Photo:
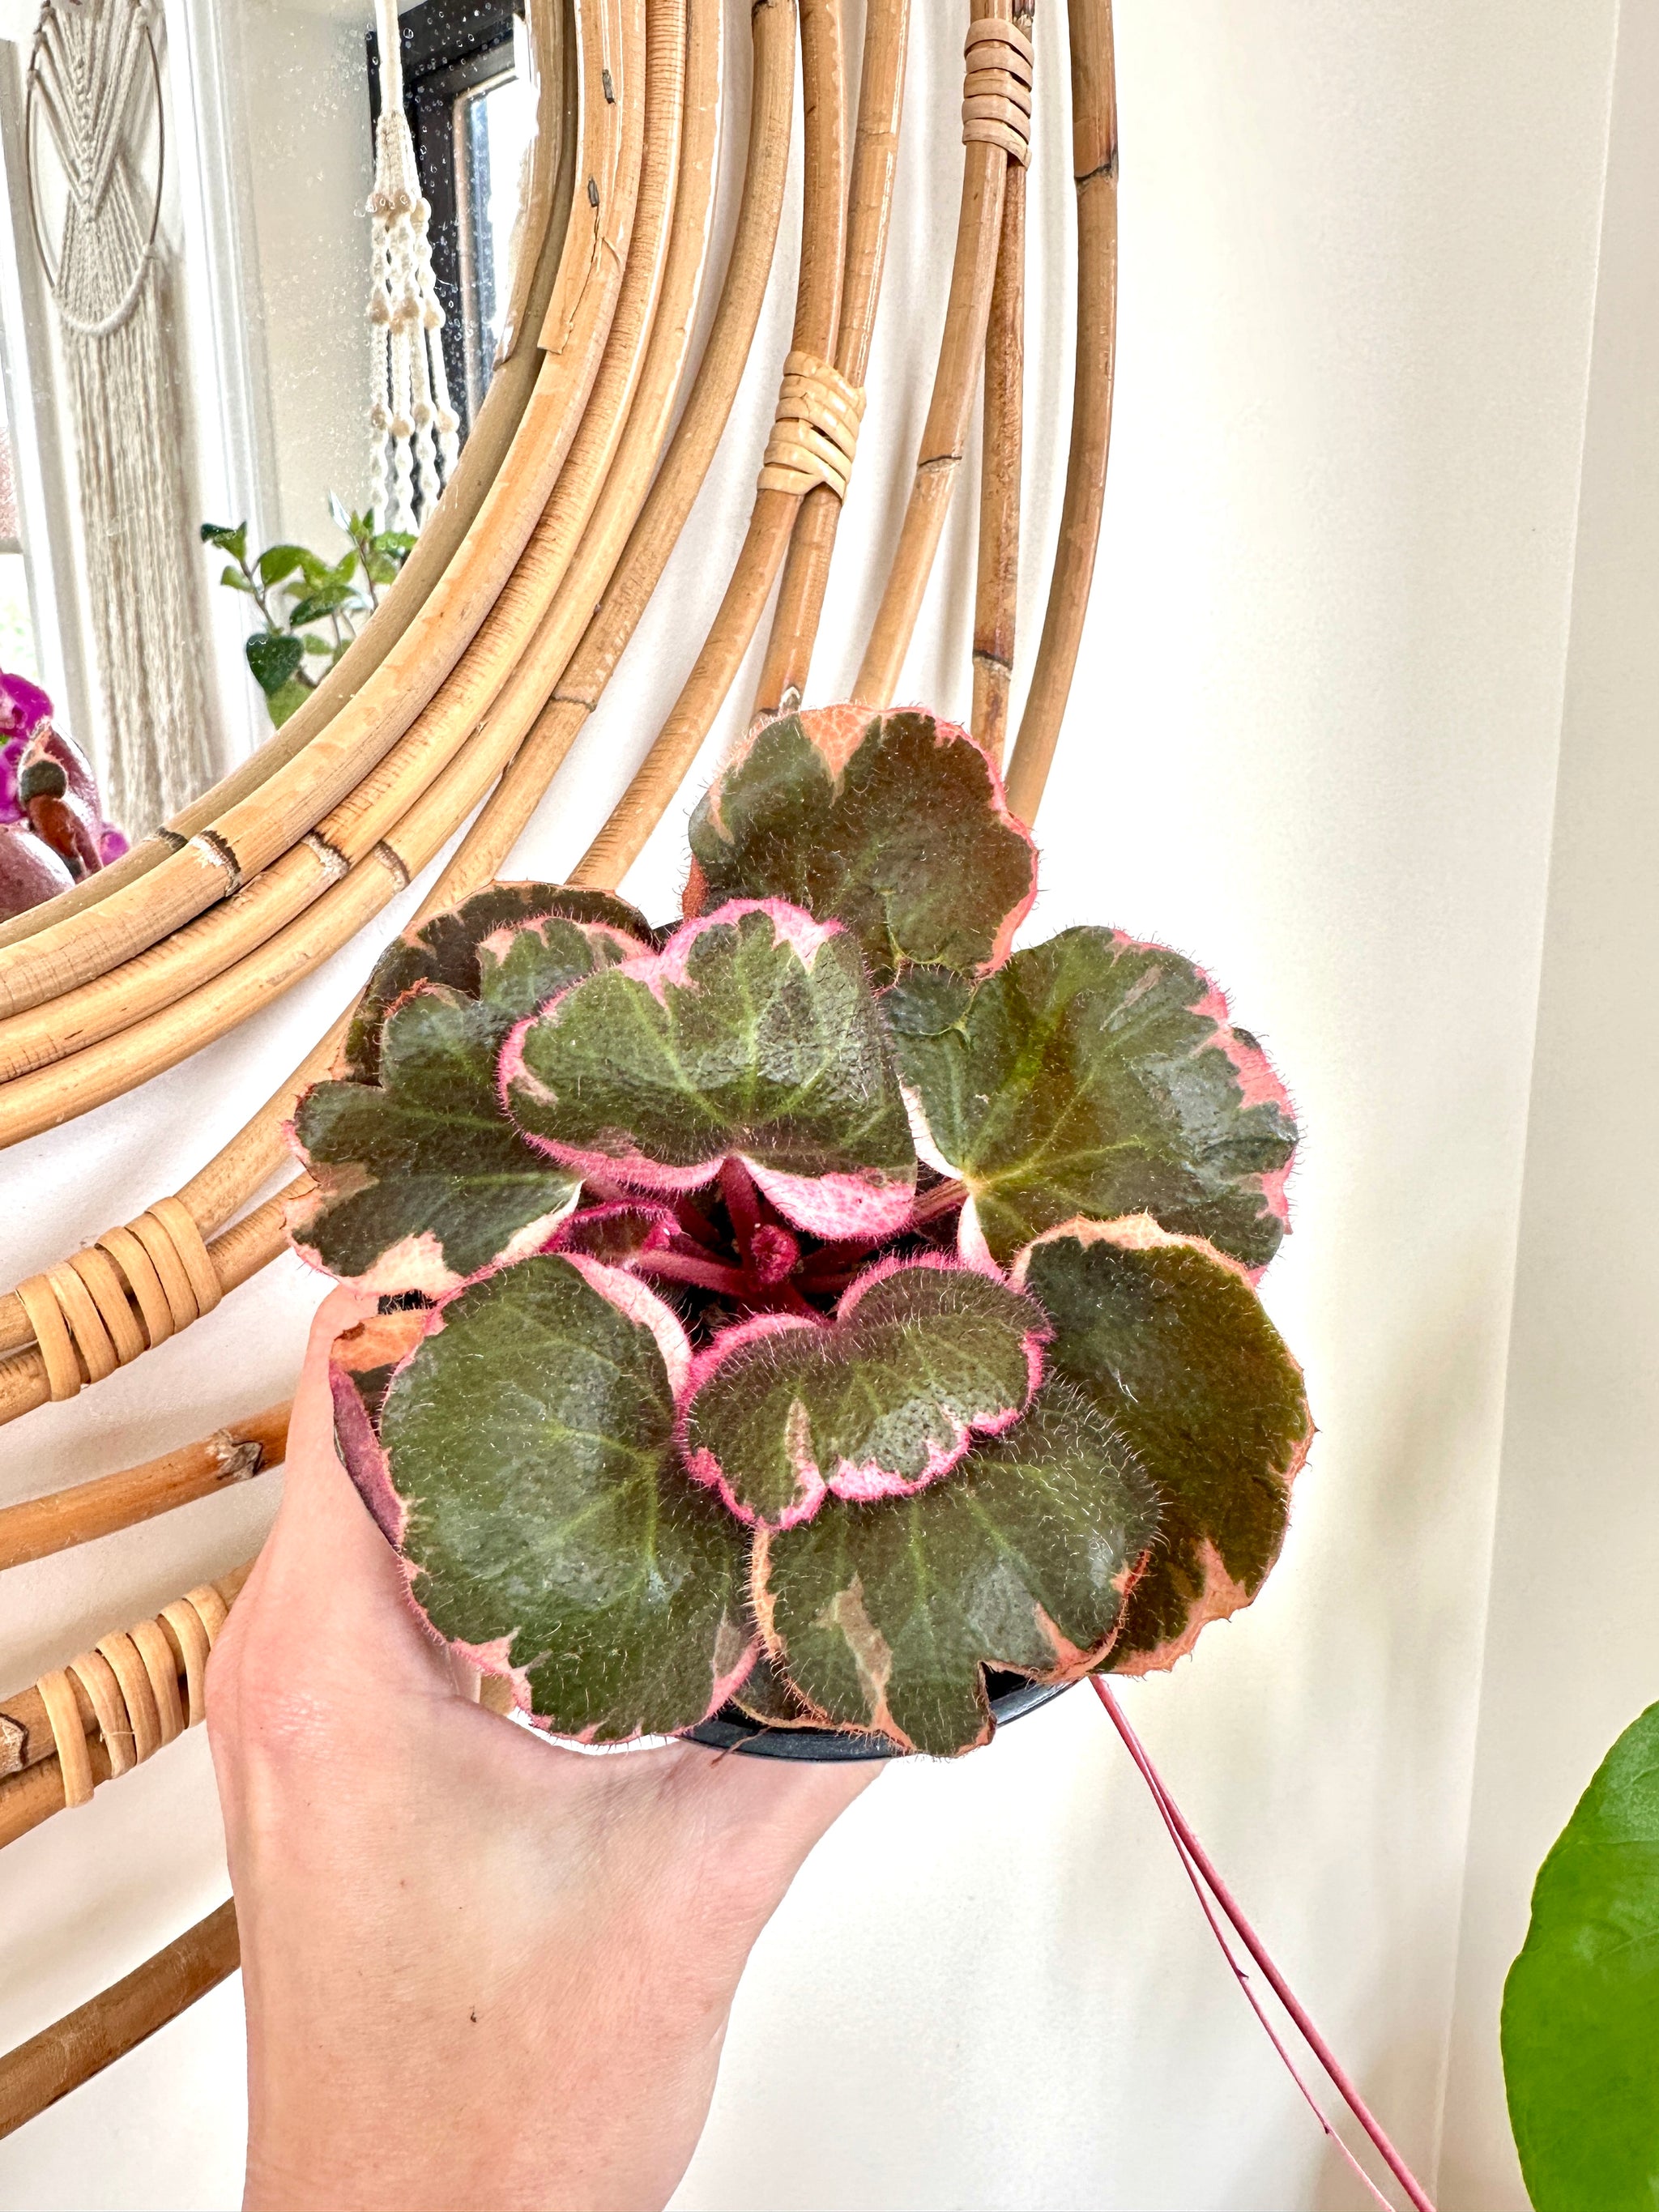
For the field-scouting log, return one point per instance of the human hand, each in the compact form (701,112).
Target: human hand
(479,1970)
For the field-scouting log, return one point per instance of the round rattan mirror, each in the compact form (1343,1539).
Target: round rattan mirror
(261,263)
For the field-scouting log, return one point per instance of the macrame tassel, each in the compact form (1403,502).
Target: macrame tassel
(88,61)
(414,432)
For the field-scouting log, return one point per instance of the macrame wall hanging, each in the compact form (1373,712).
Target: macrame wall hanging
(94,83)
(415,433)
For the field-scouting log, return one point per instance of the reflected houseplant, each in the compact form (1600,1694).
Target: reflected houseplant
(816,1306)
(52,830)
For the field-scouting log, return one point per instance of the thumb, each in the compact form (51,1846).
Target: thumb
(327,1582)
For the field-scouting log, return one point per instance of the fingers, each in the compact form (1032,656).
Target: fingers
(326,1572)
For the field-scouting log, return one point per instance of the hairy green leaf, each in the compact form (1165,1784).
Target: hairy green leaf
(894,824)
(1093,1075)
(885,1616)
(1169,1343)
(784,1411)
(421,1179)
(529,1440)
(445,950)
(1581,2005)
(751,1034)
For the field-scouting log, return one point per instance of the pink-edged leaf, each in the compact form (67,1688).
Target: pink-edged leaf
(528,1442)
(422,1179)
(362,1364)
(751,1035)
(1093,1075)
(618,1231)
(1167,1339)
(894,824)
(445,950)
(885,1617)
(920,1357)
(765,1697)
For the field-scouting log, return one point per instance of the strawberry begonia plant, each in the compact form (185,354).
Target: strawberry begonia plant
(818,1303)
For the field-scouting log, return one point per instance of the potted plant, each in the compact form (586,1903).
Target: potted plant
(816,1313)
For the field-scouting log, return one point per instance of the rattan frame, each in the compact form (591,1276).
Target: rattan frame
(478,673)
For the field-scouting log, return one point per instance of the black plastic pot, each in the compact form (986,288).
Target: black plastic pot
(730,1729)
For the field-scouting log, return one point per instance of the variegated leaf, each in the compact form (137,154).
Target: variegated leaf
(920,1357)
(529,1443)
(1093,1075)
(751,1034)
(445,949)
(884,1617)
(1169,1343)
(893,824)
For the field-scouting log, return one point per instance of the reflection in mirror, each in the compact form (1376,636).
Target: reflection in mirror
(256,268)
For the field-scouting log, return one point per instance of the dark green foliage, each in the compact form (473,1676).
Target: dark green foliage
(1172,1346)
(747,1042)
(884,1616)
(891,824)
(1095,1075)
(880,1403)
(531,1439)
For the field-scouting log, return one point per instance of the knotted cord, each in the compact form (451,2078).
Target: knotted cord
(90,64)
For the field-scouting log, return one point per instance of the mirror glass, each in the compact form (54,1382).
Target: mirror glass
(255,257)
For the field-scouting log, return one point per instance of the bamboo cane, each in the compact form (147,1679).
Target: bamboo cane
(944,437)
(1093,151)
(818,311)
(119,1000)
(27,1737)
(236,1253)
(701,427)
(157,1692)
(545,215)
(249,835)
(36,1528)
(92,2037)
(998,584)
(875,159)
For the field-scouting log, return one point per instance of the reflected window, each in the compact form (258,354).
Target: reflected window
(20,653)
(471,113)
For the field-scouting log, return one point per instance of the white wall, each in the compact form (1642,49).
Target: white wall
(1313,741)
(1570,1658)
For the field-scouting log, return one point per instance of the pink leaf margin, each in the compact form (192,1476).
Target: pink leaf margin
(391,1340)
(841,1205)
(863,1482)
(836,733)
(1221,1595)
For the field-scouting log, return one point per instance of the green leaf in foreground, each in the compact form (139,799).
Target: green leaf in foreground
(1581,2005)
(1093,1075)
(531,1441)
(1171,1345)
(881,1403)
(752,1035)
(884,1616)
(894,824)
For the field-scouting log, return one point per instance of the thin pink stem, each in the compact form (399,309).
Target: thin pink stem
(707,1274)
(1197,1863)
(741,1202)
